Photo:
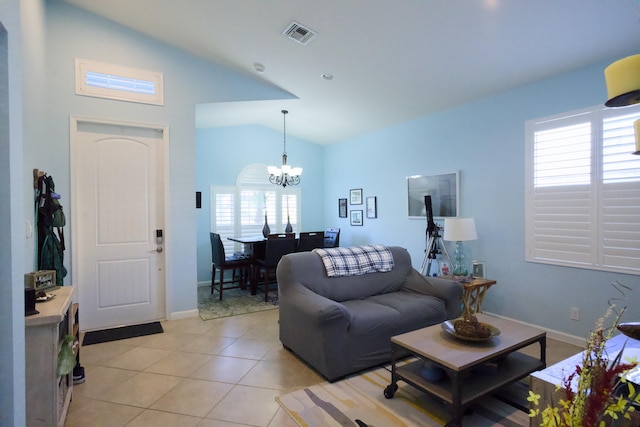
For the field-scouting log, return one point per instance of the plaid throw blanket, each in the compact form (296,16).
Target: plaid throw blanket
(356,260)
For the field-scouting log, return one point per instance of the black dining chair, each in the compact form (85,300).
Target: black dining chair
(277,246)
(308,241)
(222,262)
(281,236)
(332,237)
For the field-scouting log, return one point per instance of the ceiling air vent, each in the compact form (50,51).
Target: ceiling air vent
(298,33)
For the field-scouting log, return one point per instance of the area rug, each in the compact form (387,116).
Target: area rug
(359,401)
(234,302)
(121,333)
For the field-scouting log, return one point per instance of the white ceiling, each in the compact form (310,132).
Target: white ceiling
(392,60)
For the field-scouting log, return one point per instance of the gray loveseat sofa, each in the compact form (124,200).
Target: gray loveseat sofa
(341,325)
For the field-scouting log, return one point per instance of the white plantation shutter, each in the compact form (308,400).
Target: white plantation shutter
(223,215)
(252,210)
(289,204)
(620,207)
(583,190)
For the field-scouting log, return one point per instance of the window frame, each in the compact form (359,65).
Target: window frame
(82,66)
(591,225)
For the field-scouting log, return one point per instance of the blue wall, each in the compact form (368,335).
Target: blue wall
(485,141)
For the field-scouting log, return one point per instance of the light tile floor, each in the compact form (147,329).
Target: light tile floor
(217,373)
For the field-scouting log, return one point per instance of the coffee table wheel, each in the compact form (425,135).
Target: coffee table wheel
(390,390)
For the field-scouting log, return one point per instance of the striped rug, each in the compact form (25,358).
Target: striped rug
(359,401)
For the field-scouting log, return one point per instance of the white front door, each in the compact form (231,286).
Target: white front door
(118,211)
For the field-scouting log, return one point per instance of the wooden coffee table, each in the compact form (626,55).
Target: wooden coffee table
(473,369)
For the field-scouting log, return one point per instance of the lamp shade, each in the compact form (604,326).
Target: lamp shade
(623,82)
(460,229)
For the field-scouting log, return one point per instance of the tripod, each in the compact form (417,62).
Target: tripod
(432,250)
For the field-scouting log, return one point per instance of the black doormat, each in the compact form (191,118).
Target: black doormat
(123,332)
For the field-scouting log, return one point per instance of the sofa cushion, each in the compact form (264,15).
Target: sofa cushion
(393,313)
(375,319)
(308,269)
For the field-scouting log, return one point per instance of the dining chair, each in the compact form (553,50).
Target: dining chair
(276,248)
(281,236)
(222,262)
(332,237)
(308,241)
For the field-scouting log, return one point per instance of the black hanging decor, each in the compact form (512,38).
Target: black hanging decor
(50,220)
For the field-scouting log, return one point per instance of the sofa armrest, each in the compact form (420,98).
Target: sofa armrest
(447,290)
(304,303)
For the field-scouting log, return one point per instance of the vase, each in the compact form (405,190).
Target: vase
(288,228)
(265,230)
(459,267)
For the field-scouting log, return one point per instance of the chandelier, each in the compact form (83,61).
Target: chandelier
(284,175)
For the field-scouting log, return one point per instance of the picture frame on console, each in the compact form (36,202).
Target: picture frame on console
(444,190)
(478,269)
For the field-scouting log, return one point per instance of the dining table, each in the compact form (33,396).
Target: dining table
(254,248)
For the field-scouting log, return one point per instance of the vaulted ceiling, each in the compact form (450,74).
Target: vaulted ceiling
(391,60)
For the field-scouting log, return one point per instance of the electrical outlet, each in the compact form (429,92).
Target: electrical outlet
(575,313)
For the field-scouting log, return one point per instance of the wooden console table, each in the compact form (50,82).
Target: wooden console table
(48,395)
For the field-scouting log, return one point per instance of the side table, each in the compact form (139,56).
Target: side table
(473,294)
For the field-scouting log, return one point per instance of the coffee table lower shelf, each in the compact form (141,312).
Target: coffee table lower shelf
(475,384)
(470,370)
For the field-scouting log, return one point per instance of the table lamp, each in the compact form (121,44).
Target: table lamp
(460,230)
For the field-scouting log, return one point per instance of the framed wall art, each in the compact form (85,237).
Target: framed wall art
(355,196)
(356,218)
(444,190)
(342,208)
(372,207)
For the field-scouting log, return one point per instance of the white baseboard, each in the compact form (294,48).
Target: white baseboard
(551,333)
(183,314)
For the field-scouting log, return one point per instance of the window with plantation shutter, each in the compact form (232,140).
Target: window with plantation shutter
(240,211)
(583,190)
(223,215)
